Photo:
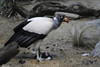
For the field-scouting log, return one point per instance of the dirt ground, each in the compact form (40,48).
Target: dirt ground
(59,42)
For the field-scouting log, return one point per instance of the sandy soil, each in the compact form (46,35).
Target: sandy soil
(59,42)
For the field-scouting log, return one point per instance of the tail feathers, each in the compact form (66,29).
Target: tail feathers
(13,38)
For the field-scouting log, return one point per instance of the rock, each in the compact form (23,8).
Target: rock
(92,23)
(87,34)
(8,52)
(69,15)
(96,51)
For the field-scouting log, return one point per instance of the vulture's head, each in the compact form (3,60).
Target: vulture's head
(58,19)
(62,18)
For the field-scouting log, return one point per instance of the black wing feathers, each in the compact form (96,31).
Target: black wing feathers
(25,38)
(20,26)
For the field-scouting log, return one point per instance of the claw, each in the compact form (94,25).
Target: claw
(39,59)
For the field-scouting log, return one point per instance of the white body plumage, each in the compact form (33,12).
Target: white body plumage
(40,25)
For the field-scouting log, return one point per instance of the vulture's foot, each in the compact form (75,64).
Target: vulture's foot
(44,56)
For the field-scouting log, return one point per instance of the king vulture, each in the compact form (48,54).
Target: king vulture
(35,30)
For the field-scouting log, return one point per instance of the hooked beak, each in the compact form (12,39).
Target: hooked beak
(66,19)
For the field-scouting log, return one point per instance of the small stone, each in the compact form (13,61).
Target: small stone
(53,50)
(61,50)
(62,39)
(24,52)
(21,61)
(64,54)
(53,44)
(85,54)
(33,52)
(91,62)
(56,45)
(28,48)
(33,49)
(47,47)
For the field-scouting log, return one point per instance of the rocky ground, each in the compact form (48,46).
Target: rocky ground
(59,42)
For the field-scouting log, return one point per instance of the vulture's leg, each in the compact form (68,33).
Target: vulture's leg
(39,54)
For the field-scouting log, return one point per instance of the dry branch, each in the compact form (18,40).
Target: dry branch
(49,8)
